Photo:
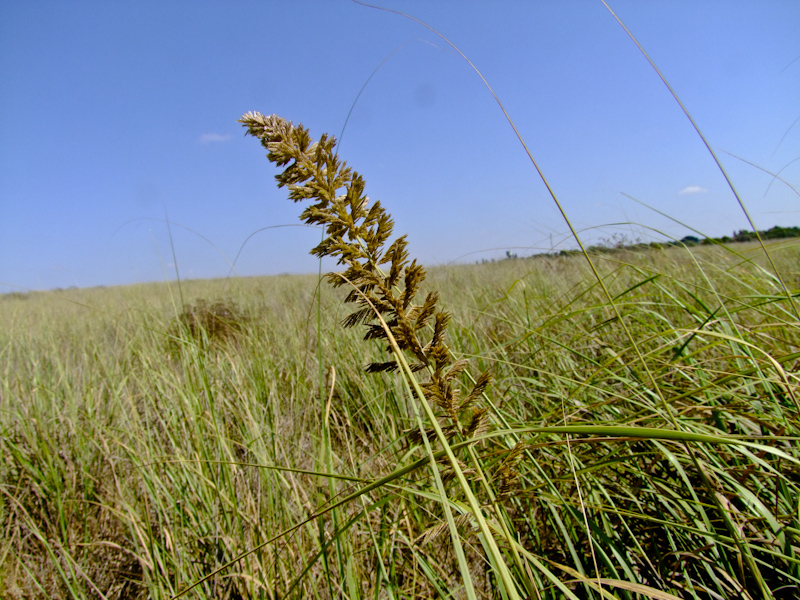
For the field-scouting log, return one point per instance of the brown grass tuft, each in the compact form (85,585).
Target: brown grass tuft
(208,323)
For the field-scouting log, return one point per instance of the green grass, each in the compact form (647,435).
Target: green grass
(137,459)
(221,439)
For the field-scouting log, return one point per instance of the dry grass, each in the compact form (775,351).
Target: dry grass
(206,323)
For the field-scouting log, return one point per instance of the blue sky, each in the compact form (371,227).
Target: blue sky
(113,114)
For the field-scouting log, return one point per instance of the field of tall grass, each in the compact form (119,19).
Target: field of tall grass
(603,424)
(151,435)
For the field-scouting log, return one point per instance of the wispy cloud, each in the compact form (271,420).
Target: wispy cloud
(693,189)
(208,138)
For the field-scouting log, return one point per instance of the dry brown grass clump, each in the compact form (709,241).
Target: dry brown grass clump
(208,323)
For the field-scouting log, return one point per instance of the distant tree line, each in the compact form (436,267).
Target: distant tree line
(622,242)
(744,235)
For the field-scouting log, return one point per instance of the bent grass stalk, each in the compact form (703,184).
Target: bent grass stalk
(357,233)
(710,150)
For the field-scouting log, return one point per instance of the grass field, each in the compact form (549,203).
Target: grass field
(151,435)
(617,423)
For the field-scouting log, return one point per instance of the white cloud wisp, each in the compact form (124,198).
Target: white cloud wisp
(208,138)
(693,189)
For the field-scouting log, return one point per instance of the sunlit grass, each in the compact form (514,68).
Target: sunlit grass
(221,439)
(130,470)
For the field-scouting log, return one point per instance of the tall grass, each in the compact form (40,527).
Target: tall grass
(130,469)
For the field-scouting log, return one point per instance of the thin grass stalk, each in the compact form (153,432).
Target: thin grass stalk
(499,561)
(714,156)
(328,450)
(316,173)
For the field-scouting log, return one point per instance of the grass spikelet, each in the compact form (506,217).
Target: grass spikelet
(356,233)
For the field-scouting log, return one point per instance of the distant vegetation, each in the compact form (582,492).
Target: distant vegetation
(776,233)
(624,242)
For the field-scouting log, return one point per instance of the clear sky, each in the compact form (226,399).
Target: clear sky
(113,114)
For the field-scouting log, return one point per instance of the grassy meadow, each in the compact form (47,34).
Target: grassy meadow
(640,447)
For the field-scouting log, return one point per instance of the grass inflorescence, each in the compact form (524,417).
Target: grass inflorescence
(357,233)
